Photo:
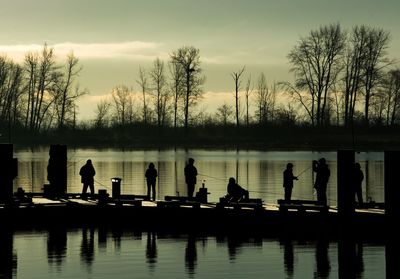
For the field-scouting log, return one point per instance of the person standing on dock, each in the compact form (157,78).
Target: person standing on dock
(151,176)
(288,178)
(190,176)
(87,173)
(321,182)
(358,179)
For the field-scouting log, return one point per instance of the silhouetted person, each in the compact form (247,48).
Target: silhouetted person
(288,178)
(87,174)
(190,176)
(321,181)
(235,191)
(151,176)
(358,179)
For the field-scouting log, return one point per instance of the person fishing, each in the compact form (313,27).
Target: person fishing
(190,177)
(321,182)
(288,178)
(151,176)
(235,192)
(358,179)
(87,173)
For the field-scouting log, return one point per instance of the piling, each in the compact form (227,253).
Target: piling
(345,189)
(57,169)
(392,188)
(392,211)
(8,171)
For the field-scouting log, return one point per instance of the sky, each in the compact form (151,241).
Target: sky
(113,38)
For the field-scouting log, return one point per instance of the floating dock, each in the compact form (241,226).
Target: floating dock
(170,215)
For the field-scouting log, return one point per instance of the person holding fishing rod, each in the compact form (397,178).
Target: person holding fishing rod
(235,192)
(190,177)
(288,178)
(321,182)
(87,173)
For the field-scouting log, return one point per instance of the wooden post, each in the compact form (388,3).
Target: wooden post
(57,169)
(345,188)
(392,187)
(392,211)
(8,171)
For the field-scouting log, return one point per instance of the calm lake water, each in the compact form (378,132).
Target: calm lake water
(106,253)
(98,253)
(257,171)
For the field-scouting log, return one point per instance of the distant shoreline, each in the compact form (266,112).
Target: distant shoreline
(246,138)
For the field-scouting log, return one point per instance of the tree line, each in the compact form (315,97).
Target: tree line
(39,94)
(340,78)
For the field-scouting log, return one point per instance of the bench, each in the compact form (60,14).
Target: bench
(163,204)
(302,205)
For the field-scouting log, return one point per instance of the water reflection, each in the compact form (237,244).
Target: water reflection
(56,246)
(288,257)
(87,247)
(323,265)
(8,257)
(151,250)
(351,260)
(191,255)
(122,253)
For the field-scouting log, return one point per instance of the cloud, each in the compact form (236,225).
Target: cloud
(135,50)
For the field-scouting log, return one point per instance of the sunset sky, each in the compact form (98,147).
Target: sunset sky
(112,38)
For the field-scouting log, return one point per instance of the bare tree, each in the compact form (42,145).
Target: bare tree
(224,113)
(143,83)
(392,90)
(247,93)
(177,87)
(158,79)
(64,95)
(375,62)
(315,63)
(237,80)
(10,90)
(262,93)
(353,72)
(123,104)
(102,113)
(42,73)
(188,58)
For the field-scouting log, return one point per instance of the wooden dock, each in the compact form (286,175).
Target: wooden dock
(181,215)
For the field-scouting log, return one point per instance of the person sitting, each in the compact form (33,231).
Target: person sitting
(235,192)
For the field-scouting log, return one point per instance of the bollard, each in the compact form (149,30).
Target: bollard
(102,197)
(116,187)
(201,195)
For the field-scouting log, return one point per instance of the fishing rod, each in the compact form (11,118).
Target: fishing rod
(101,184)
(213,177)
(303,171)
